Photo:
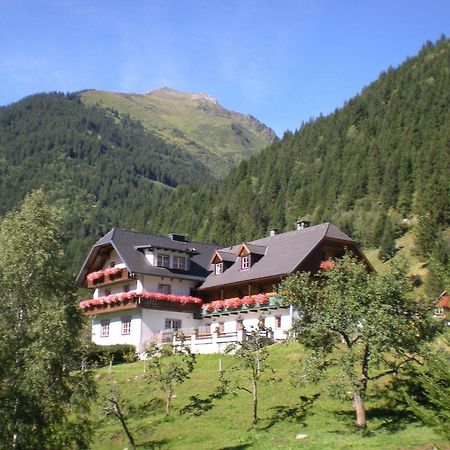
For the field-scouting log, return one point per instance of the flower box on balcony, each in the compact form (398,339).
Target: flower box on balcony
(107,276)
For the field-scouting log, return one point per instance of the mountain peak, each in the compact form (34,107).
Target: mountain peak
(195,122)
(173,93)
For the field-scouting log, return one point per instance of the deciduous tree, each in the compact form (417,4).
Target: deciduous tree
(251,355)
(168,367)
(44,398)
(363,323)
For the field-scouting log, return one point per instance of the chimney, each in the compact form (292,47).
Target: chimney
(273,232)
(301,224)
(177,237)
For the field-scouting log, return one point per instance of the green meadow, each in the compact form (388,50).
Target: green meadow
(284,412)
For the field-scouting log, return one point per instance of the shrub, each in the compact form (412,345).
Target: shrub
(101,355)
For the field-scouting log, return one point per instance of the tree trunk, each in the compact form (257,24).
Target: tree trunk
(168,400)
(118,413)
(358,401)
(255,401)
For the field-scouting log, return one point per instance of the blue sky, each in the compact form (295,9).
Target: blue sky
(281,61)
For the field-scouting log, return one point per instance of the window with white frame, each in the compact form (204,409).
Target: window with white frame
(218,268)
(245,262)
(126,325)
(164,289)
(163,260)
(439,311)
(179,262)
(104,328)
(173,324)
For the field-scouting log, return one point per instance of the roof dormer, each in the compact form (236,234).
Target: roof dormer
(221,261)
(249,254)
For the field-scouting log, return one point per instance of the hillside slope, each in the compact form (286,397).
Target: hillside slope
(383,157)
(103,172)
(197,123)
(225,423)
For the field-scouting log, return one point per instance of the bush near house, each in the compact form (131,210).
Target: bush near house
(101,355)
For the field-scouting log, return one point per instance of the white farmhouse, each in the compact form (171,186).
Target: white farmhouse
(150,288)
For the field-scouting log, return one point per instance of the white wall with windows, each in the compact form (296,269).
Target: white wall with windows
(177,286)
(129,285)
(136,327)
(164,258)
(153,321)
(121,327)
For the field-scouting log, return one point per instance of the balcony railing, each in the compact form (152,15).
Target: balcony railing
(105,277)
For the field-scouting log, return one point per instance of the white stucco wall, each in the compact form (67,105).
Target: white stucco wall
(153,321)
(113,256)
(115,328)
(150,283)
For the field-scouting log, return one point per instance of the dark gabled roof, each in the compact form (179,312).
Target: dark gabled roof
(128,245)
(227,256)
(256,249)
(283,254)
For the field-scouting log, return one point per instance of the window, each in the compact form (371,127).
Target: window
(163,260)
(245,262)
(104,328)
(277,322)
(439,311)
(173,324)
(126,325)
(179,262)
(218,268)
(164,289)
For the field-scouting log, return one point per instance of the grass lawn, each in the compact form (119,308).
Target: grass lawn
(329,424)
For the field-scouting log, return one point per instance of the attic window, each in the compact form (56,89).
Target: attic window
(179,262)
(245,262)
(163,261)
(218,269)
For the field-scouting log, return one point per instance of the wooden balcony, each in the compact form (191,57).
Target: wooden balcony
(104,280)
(149,303)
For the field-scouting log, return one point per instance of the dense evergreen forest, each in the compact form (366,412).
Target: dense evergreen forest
(104,172)
(374,167)
(384,153)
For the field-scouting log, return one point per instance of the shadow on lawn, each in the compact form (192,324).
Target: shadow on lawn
(152,445)
(386,418)
(297,413)
(237,447)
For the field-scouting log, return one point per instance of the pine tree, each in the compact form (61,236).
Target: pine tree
(387,249)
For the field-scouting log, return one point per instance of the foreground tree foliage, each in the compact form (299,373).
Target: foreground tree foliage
(363,323)
(251,355)
(429,399)
(169,366)
(44,399)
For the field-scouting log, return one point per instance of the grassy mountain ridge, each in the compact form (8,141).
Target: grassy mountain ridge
(197,123)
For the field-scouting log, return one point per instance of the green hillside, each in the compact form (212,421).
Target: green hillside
(103,172)
(329,423)
(378,165)
(197,123)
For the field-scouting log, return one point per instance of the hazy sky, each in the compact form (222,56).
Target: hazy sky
(282,61)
